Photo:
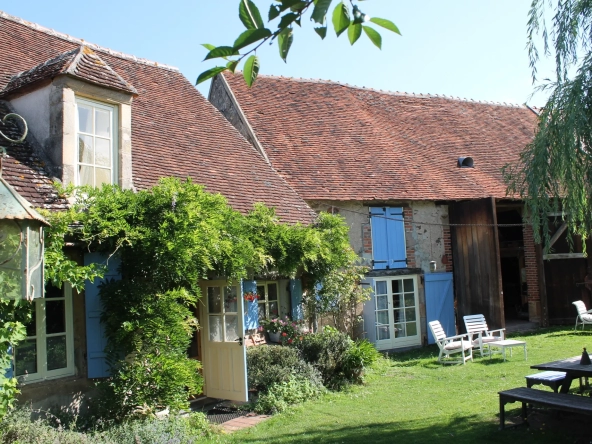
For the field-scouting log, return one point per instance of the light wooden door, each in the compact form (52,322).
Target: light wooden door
(224,352)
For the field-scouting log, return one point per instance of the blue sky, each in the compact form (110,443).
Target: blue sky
(462,48)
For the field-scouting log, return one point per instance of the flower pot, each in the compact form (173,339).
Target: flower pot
(274,337)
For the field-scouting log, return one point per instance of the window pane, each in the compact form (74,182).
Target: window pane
(397,300)
(408,283)
(409,300)
(410,314)
(55,317)
(412,329)
(272,293)
(103,123)
(216,328)
(400,331)
(261,308)
(103,176)
(273,310)
(231,328)
(102,152)
(56,353)
(84,119)
(53,292)
(214,302)
(25,357)
(383,332)
(86,175)
(85,149)
(399,316)
(261,292)
(397,287)
(382,317)
(32,326)
(381,302)
(230,302)
(381,287)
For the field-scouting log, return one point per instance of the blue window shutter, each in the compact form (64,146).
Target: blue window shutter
(379,238)
(251,307)
(95,331)
(10,370)
(397,251)
(388,238)
(369,313)
(296,299)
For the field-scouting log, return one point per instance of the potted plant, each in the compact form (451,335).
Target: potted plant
(273,327)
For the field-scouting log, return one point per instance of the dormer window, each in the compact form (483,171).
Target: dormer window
(97,143)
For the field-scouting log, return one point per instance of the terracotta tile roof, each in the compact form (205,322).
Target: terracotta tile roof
(24,171)
(333,141)
(81,62)
(175,130)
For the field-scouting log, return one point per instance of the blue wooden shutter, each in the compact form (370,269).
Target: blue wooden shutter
(296,299)
(369,313)
(251,307)
(440,302)
(95,331)
(10,370)
(388,238)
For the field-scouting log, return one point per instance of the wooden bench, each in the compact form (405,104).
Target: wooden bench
(550,379)
(558,401)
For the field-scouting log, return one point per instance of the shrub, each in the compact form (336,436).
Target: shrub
(362,354)
(268,365)
(328,352)
(280,395)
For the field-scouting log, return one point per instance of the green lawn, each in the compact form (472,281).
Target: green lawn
(411,398)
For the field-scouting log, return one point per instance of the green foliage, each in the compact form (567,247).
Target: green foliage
(281,395)
(269,365)
(361,355)
(329,353)
(289,13)
(19,428)
(555,171)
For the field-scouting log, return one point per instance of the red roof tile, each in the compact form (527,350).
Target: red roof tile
(336,142)
(175,130)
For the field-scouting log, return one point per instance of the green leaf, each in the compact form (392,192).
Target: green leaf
(354,31)
(221,51)
(249,15)
(373,35)
(285,39)
(298,6)
(251,70)
(208,46)
(321,31)
(251,36)
(319,12)
(231,66)
(288,4)
(287,20)
(210,73)
(340,18)
(274,12)
(386,24)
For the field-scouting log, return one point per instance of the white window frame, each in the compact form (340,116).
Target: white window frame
(41,338)
(114,110)
(264,298)
(392,341)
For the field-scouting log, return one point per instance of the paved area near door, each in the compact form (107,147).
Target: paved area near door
(243,422)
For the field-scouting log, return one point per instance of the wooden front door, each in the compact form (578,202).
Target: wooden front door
(475,252)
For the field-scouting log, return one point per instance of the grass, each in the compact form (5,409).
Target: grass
(409,397)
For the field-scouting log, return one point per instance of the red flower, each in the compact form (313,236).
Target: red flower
(289,341)
(284,334)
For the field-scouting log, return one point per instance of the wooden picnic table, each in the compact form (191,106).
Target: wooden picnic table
(572,368)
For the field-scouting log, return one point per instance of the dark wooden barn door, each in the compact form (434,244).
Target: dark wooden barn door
(475,252)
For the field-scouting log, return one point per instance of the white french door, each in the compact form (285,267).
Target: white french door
(397,312)
(224,356)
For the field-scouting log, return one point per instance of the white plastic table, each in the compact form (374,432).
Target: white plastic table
(507,343)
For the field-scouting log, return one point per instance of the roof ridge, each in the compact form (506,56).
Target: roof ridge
(395,93)
(78,41)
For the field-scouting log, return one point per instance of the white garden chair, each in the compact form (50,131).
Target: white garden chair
(479,333)
(584,316)
(451,345)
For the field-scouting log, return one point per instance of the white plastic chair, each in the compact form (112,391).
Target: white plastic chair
(584,317)
(451,345)
(480,334)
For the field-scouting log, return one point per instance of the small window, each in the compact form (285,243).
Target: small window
(96,138)
(268,300)
(48,350)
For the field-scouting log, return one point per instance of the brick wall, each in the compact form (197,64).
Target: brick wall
(408,217)
(530,260)
(367,238)
(447,259)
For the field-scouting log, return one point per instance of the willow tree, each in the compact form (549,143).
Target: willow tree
(554,174)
